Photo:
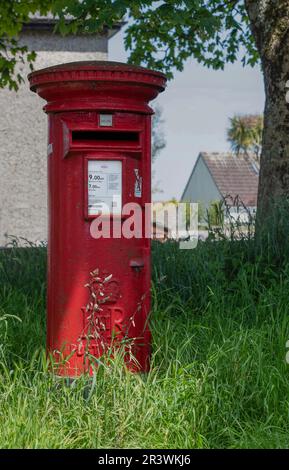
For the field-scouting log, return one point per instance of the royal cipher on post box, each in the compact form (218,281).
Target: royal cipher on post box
(99,166)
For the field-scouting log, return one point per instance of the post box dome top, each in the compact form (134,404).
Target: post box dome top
(97,66)
(97,84)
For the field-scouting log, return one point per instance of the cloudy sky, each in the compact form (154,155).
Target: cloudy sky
(196,107)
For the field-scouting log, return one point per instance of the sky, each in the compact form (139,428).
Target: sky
(197,105)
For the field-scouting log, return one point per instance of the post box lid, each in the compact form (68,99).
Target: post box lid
(105,70)
(87,80)
(97,65)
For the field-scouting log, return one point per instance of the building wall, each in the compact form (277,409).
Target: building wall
(240,215)
(201,186)
(23,137)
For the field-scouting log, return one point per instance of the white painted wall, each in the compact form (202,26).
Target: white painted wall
(201,186)
(23,137)
(241,215)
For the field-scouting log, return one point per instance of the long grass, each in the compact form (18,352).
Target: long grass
(218,379)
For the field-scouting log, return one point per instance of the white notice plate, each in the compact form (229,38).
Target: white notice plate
(104,187)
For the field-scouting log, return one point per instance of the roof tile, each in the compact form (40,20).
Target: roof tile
(234,175)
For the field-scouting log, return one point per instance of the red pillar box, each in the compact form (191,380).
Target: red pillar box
(99,167)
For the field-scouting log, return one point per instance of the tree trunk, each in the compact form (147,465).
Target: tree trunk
(270,26)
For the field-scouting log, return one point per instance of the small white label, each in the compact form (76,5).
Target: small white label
(104,187)
(49,149)
(137,184)
(105,120)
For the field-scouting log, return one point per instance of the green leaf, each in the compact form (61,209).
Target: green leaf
(161,35)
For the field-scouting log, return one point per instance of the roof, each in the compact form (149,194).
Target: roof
(234,175)
(46,23)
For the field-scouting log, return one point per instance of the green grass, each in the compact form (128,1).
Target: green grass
(218,379)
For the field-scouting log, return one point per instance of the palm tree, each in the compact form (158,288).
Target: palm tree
(245,134)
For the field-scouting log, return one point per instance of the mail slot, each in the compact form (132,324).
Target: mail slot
(109,137)
(99,165)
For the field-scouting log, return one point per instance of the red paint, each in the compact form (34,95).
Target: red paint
(83,270)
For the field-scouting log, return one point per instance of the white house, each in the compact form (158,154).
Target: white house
(216,176)
(23,129)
